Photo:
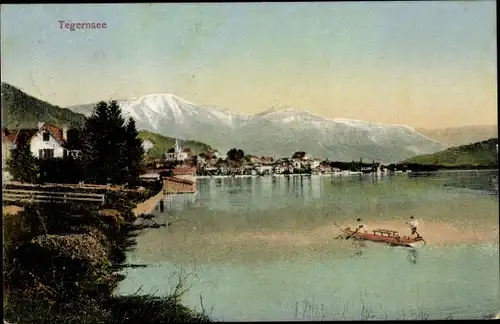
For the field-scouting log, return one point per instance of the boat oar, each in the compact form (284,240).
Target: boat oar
(352,234)
(418,236)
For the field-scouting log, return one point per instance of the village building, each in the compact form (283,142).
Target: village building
(266,160)
(177,155)
(313,163)
(201,161)
(280,169)
(301,155)
(254,159)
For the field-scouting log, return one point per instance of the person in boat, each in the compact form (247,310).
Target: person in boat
(360,226)
(413,223)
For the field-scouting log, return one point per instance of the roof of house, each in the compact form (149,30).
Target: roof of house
(13,136)
(173,179)
(184,170)
(55,131)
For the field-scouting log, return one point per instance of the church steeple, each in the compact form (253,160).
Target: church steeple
(177,147)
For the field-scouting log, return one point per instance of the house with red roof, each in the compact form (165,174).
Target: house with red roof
(53,142)
(47,141)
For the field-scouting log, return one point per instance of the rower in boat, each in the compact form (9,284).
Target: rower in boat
(413,226)
(360,226)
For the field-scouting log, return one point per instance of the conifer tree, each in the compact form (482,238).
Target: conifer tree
(112,151)
(104,145)
(23,165)
(134,151)
(117,157)
(94,145)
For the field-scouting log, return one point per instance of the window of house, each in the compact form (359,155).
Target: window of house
(48,153)
(46,136)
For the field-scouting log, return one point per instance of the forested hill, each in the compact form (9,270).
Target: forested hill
(22,110)
(482,153)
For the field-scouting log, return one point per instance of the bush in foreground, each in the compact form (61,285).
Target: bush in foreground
(61,265)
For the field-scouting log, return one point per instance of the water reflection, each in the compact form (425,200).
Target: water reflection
(261,243)
(413,256)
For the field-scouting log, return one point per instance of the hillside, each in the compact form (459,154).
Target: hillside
(463,135)
(18,106)
(163,143)
(477,154)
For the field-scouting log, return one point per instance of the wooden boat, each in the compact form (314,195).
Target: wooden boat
(385,236)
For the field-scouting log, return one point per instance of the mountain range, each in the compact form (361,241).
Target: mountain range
(279,132)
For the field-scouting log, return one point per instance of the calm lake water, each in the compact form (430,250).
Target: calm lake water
(265,248)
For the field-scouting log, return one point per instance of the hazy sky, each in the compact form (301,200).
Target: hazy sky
(424,64)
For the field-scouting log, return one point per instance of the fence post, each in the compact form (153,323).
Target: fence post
(64,198)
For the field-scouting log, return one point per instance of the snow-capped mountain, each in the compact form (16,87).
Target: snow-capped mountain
(278,131)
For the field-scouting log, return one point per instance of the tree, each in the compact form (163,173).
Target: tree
(195,160)
(299,155)
(22,164)
(235,155)
(134,151)
(104,151)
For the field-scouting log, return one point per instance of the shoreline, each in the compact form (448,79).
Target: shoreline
(340,174)
(147,206)
(283,175)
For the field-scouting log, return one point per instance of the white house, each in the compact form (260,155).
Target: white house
(48,141)
(51,142)
(177,155)
(279,169)
(314,164)
(265,168)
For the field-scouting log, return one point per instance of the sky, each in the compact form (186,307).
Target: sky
(423,64)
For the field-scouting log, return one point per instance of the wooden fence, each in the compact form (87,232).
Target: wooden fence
(50,196)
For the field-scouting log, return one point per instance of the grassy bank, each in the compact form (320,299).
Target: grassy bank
(62,264)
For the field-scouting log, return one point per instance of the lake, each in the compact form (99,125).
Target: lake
(266,248)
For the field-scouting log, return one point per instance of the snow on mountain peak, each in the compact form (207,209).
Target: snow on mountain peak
(289,114)
(281,131)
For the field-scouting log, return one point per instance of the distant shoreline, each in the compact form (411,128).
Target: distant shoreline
(285,175)
(339,174)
